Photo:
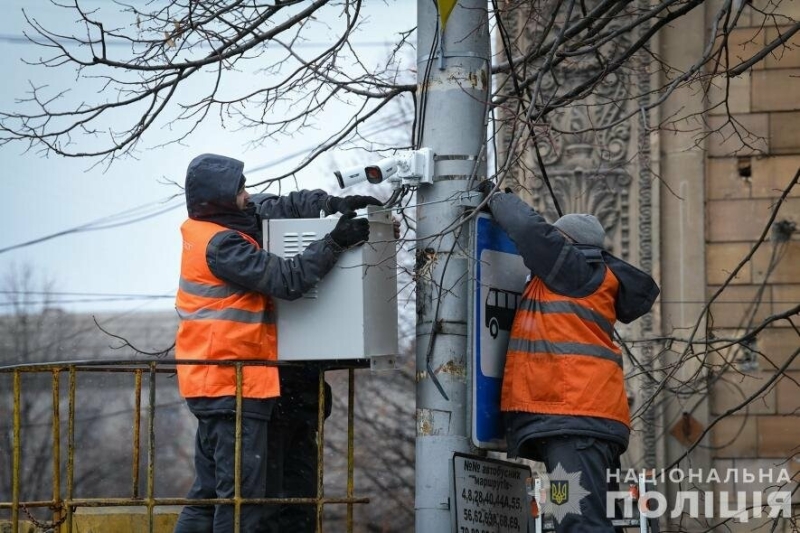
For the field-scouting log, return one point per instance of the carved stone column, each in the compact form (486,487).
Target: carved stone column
(596,157)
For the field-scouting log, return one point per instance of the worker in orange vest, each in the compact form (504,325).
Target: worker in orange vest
(563,396)
(225,307)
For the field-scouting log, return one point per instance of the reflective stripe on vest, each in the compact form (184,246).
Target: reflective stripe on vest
(233,315)
(209,291)
(561,358)
(585,314)
(220,321)
(563,348)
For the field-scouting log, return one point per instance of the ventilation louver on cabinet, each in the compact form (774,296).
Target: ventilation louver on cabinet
(295,243)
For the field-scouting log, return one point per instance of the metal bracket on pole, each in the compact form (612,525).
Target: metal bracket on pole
(470,199)
(440,56)
(382,362)
(415,166)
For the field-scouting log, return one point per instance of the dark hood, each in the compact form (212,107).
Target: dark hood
(212,182)
(637,289)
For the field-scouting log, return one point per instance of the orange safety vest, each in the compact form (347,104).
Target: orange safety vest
(220,321)
(561,358)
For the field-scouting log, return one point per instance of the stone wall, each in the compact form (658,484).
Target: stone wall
(688,203)
(746,172)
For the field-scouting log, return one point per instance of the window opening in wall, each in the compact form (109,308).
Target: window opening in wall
(744,168)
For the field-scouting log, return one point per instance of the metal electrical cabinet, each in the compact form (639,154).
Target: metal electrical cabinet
(352,311)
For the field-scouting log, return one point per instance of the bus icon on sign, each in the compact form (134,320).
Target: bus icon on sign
(499,310)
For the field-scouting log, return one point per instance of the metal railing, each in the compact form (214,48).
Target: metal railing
(64,503)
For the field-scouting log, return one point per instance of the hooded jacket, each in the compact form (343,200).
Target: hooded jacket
(228,281)
(598,289)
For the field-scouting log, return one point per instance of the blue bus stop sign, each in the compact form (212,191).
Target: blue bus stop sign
(498,277)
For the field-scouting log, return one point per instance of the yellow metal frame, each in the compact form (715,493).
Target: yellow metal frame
(64,507)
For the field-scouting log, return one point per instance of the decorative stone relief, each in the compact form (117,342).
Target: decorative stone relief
(596,156)
(587,148)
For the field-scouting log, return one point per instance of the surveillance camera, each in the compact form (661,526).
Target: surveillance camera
(350,176)
(373,174)
(383,170)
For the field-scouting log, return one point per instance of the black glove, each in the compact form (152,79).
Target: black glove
(350,231)
(348,204)
(485,187)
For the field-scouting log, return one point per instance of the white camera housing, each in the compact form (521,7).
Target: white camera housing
(384,169)
(410,167)
(352,176)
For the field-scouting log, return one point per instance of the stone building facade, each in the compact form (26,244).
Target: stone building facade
(744,179)
(686,189)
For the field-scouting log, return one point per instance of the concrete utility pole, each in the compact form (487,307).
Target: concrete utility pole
(454,79)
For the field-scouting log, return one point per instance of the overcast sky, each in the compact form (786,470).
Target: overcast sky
(44,196)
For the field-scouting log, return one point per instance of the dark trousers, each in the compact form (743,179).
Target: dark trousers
(292,448)
(292,471)
(214,477)
(590,457)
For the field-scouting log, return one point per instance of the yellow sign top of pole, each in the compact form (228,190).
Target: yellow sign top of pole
(445,8)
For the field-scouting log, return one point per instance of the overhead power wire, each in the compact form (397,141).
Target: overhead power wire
(59,293)
(108,222)
(88,300)
(25,40)
(102,223)
(391,123)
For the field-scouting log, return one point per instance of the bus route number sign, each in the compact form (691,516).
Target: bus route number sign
(490,495)
(499,277)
